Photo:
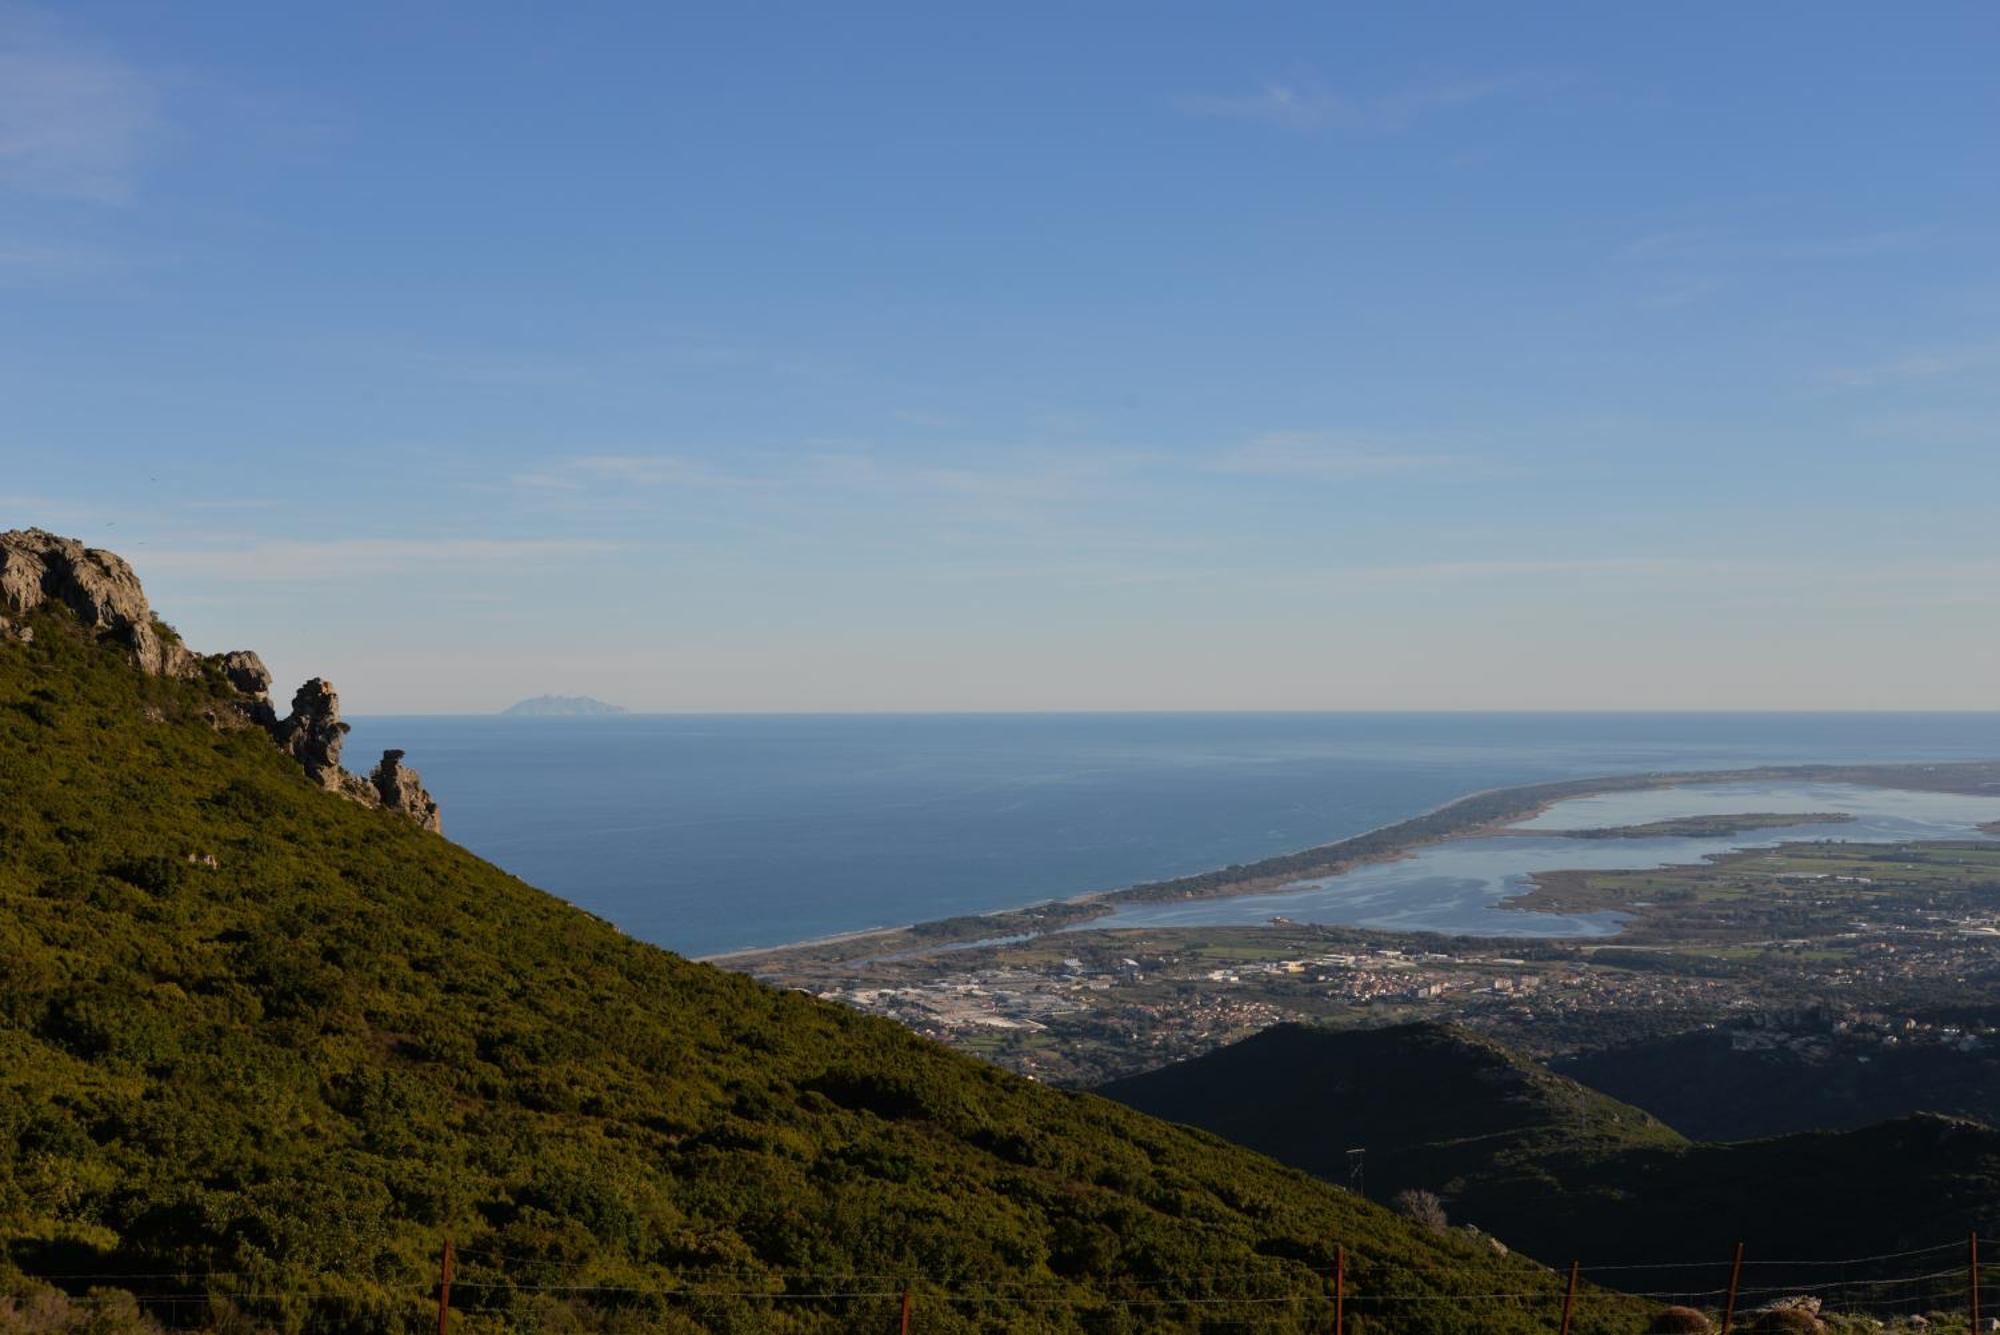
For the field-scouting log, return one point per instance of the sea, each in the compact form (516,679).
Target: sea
(714,833)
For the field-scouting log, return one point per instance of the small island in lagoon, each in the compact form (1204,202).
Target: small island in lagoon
(561,706)
(1703,827)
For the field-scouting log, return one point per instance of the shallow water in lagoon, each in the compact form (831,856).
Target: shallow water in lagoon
(1458,886)
(706,833)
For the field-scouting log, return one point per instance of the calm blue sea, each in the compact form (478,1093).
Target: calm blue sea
(707,834)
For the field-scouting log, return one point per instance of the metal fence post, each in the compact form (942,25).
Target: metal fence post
(1972,1261)
(1340,1291)
(444,1289)
(1735,1277)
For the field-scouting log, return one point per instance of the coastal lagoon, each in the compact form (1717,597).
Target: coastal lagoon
(706,833)
(1460,885)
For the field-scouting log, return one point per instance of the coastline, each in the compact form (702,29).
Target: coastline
(1090,897)
(1469,816)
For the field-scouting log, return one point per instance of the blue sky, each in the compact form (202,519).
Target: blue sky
(1032,356)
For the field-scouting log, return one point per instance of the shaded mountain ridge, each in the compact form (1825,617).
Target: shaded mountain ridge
(1562,1170)
(1427,1106)
(1779,1075)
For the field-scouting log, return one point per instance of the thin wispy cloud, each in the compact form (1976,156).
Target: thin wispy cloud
(625,480)
(612,479)
(993,484)
(1777,578)
(1308,105)
(74,123)
(1859,245)
(231,503)
(1923,364)
(1711,244)
(923,418)
(26,510)
(24,264)
(1426,572)
(1026,480)
(1313,456)
(1684,266)
(654,470)
(1681,290)
(346,558)
(1953,427)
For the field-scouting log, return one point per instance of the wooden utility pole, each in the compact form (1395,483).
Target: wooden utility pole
(1340,1291)
(906,1312)
(444,1289)
(1735,1277)
(1569,1296)
(1973,1261)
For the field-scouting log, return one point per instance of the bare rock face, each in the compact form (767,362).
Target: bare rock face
(313,734)
(246,672)
(37,567)
(402,790)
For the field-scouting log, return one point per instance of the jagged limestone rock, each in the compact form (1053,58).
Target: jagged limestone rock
(313,734)
(38,567)
(245,671)
(401,789)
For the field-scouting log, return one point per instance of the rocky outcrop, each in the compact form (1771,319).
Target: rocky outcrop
(39,569)
(98,587)
(246,673)
(313,734)
(400,789)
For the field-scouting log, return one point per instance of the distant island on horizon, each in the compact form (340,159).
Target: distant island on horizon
(561,706)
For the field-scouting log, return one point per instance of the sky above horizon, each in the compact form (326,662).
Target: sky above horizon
(1161,356)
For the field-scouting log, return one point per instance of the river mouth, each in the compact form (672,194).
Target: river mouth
(1458,887)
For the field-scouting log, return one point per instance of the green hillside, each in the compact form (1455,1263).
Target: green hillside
(1897,1185)
(263,1048)
(1716,1088)
(1563,1171)
(1434,1107)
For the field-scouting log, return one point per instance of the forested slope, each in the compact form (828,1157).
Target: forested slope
(1427,1106)
(262,1049)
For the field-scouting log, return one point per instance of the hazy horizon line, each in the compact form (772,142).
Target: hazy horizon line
(626,713)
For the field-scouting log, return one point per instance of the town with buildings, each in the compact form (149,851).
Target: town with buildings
(1873,951)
